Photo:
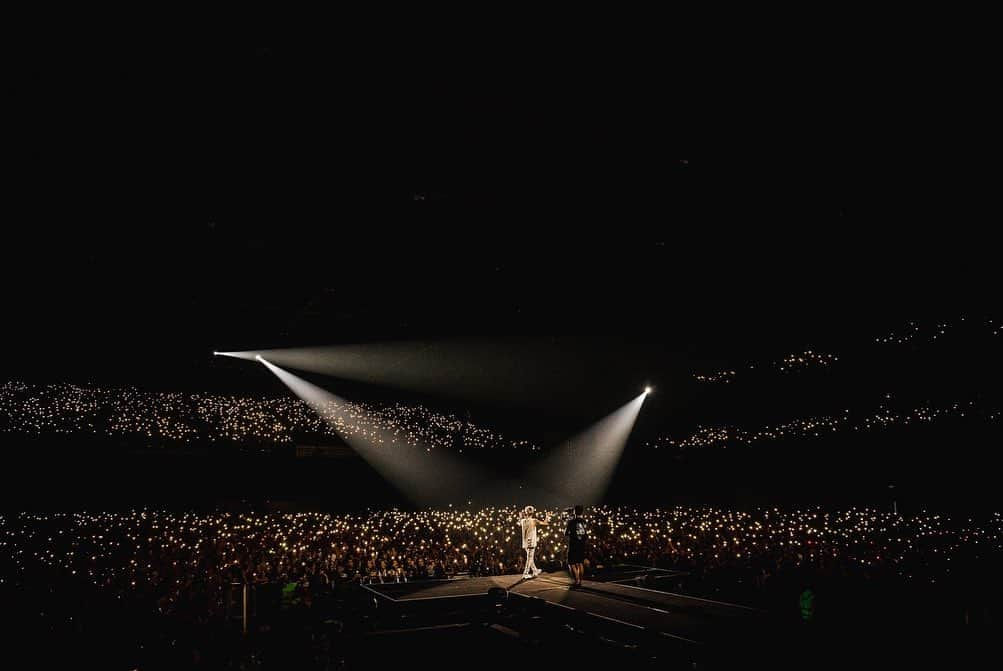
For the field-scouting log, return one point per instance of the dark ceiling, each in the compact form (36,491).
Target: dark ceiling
(167,203)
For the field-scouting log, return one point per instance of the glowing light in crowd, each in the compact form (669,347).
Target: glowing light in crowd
(912,333)
(172,417)
(915,332)
(151,557)
(815,427)
(788,364)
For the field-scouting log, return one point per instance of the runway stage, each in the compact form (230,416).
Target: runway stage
(685,619)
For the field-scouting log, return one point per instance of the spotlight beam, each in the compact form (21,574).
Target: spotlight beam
(248,356)
(580,470)
(489,370)
(424,475)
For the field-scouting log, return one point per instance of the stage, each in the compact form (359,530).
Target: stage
(685,620)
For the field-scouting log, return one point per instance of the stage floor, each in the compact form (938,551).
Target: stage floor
(688,619)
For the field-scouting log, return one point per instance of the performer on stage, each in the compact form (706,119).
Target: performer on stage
(528,523)
(577,534)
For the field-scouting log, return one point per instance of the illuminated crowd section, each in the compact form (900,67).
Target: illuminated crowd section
(818,426)
(67,409)
(161,553)
(912,334)
(72,409)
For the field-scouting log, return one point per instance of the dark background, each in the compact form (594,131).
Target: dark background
(657,221)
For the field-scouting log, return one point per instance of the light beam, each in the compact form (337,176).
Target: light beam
(513,371)
(580,470)
(249,356)
(423,474)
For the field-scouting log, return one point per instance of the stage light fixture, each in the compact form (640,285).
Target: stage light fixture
(648,390)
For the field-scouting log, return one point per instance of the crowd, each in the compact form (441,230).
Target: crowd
(163,556)
(789,363)
(806,359)
(912,333)
(915,332)
(177,417)
(175,581)
(814,427)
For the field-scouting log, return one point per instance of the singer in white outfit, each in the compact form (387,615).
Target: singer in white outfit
(528,524)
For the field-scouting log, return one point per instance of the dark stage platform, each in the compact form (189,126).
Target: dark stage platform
(687,620)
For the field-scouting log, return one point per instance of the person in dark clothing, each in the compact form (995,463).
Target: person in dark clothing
(577,534)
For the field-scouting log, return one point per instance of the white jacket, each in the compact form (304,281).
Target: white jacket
(528,525)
